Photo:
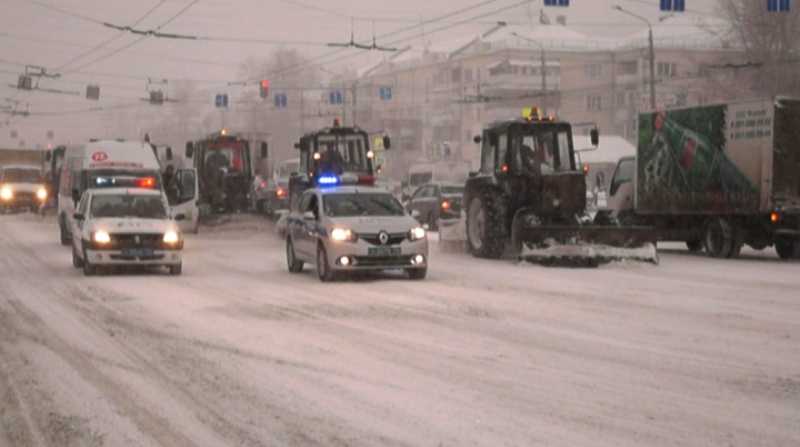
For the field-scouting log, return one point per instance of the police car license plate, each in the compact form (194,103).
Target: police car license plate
(384,251)
(137,252)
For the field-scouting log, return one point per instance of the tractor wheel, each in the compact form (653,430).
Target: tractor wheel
(486,226)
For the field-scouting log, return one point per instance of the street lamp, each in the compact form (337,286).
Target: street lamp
(652,53)
(543,65)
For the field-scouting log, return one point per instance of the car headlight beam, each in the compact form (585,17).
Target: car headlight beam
(342,235)
(417,233)
(41,194)
(101,237)
(171,237)
(6,193)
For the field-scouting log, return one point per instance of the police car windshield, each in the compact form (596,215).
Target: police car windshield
(370,204)
(115,206)
(14,175)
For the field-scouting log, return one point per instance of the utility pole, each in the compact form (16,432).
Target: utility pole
(544,78)
(652,53)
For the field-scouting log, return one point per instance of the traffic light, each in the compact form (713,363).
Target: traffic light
(156,97)
(263,88)
(779,5)
(556,3)
(673,5)
(25,82)
(336,97)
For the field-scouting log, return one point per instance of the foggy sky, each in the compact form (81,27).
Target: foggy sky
(30,34)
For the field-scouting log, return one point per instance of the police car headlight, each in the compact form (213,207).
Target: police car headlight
(416,233)
(342,235)
(6,193)
(171,237)
(101,237)
(41,194)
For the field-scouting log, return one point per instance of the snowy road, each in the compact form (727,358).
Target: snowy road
(694,352)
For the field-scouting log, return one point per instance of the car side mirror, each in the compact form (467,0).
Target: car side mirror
(264,150)
(309,215)
(297,145)
(180,217)
(477,139)
(473,174)
(78,216)
(189,149)
(169,154)
(387,142)
(594,135)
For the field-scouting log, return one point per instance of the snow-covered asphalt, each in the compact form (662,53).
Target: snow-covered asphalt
(238,352)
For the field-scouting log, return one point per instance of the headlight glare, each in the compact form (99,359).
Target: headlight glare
(101,237)
(171,237)
(417,233)
(41,194)
(342,235)
(6,193)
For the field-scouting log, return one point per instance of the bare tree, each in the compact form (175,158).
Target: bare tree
(770,42)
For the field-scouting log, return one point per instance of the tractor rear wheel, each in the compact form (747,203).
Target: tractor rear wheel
(486,226)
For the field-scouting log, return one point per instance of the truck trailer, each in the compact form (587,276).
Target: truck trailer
(716,177)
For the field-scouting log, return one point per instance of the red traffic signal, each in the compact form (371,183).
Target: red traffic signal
(263,88)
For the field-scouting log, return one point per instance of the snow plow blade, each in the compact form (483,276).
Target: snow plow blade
(589,245)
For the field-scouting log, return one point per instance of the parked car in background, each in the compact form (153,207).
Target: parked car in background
(434,201)
(21,188)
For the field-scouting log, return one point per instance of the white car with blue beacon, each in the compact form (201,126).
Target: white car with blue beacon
(342,226)
(125,227)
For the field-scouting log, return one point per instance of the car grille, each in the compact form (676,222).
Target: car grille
(383,261)
(394,238)
(134,258)
(123,241)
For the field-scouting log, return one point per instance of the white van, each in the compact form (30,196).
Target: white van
(110,164)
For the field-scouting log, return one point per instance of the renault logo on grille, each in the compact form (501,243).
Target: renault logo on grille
(383,237)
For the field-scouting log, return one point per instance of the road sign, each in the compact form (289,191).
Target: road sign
(221,101)
(779,5)
(385,93)
(563,3)
(281,100)
(93,92)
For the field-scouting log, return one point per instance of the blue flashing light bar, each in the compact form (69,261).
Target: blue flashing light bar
(328,180)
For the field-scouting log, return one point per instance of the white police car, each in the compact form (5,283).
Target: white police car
(125,227)
(354,228)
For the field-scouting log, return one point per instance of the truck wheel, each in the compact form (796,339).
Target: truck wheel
(486,227)
(694,246)
(77,262)
(176,270)
(787,248)
(719,238)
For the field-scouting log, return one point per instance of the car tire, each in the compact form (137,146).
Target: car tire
(324,271)
(88,268)
(63,235)
(176,270)
(417,274)
(77,262)
(295,265)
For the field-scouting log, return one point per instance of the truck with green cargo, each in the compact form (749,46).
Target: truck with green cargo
(716,177)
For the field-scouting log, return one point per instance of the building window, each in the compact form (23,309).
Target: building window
(594,71)
(456,75)
(468,75)
(666,70)
(628,68)
(594,103)
(620,98)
